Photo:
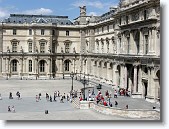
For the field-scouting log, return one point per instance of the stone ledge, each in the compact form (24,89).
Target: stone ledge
(131,113)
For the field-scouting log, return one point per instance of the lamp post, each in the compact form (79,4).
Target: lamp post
(88,79)
(72,75)
(84,81)
(76,74)
(80,75)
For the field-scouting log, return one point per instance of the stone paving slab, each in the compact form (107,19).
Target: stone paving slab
(28,108)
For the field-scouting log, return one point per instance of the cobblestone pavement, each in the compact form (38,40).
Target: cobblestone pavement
(28,109)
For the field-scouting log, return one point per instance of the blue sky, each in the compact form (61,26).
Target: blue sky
(54,7)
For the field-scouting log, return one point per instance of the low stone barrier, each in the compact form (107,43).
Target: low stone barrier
(130,113)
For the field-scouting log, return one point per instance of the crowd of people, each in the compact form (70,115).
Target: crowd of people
(99,98)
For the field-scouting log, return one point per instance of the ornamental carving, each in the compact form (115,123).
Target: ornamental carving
(135,16)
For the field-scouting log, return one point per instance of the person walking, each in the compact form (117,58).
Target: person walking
(10,95)
(37,98)
(50,98)
(0,97)
(40,96)
(9,109)
(116,103)
(13,109)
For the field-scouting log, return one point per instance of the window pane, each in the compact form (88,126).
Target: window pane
(30,47)
(30,31)
(30,66)
(14,47)
(14,31)
(42,48)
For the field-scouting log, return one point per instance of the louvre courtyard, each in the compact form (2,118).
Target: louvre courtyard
(28,109)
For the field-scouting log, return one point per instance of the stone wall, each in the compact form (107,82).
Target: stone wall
(131,113)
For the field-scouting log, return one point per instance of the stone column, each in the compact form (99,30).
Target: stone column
(158,43)
(1,49)
(125,78)
(149,83)
(140,88)
(141,43)
(116,78)
(155,88)
(62,68)
(122,76)
(132,47)
(135,78)
(50,67)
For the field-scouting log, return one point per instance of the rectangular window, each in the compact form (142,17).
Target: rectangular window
(53,47)
(120,42)
(107,28)
(102,29)
(53,32)
(128,43)
(120,21)
(67,33)
(30,66)
(42,48)
(30,31)
(42,66)
(146,44)
(145,14)
(14,66)
(30,46)
(67,48)
(14,47)
(14,31)
(42,32)
(127,19)
(97,30)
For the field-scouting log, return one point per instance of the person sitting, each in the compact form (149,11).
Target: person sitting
(105,103)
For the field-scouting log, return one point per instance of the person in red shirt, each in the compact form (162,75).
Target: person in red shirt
(105,103)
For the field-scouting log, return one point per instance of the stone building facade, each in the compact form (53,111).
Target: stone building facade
(120,47)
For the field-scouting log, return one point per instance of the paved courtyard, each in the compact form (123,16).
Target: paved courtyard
(28,109)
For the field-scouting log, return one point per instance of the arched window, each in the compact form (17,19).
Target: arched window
(30,65)
(42,66)
(67,65)
(14,66)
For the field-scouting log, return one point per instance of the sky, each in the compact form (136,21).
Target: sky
(55,7)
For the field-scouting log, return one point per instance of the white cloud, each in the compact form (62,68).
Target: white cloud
(4,13)
(42,11)
(92,13)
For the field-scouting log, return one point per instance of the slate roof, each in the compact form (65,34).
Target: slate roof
(105,16)
(23,18)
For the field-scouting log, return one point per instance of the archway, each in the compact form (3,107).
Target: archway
(130,77)
(14,66)
(158,88)
(67,65)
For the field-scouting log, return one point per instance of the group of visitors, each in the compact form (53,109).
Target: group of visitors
(17,94)
(11,109)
